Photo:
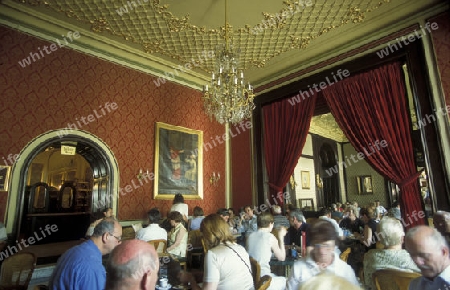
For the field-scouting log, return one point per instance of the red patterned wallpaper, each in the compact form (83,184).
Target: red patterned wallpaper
(241,164)
(441,43)
(66,85)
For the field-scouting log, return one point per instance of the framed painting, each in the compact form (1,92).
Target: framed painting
(306,204)
(364,184)
(4,177)
(178,162)
(306,183)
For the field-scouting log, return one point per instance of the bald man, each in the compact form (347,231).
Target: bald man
(132,265)
(81,266)
(428,249)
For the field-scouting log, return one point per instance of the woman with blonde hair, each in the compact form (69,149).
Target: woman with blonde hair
(327,281)
(227,264)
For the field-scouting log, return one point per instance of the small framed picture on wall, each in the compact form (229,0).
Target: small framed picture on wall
(364,184)
(306,182)
(4,177)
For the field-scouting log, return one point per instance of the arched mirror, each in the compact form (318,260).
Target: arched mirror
(39,198)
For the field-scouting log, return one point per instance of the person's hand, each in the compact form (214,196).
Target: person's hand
(185,277)
(282,231)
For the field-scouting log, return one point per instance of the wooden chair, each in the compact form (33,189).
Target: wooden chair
(67,197)
(264,282)
(17,270)
(195,246)
(160,246)
(256,271)
(344,255)
(39,199)
(128,233)
(430,222)
(389,279)
(311,220)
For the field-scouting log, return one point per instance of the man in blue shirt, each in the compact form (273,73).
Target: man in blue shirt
(81,266)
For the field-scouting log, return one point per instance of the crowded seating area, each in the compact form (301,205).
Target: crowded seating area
(225,145)
(264,250)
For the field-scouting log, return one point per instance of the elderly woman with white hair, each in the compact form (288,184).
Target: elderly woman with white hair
(391,236)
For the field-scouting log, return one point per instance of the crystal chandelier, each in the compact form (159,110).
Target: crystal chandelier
(228,98)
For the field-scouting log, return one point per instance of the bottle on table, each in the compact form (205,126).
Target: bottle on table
(293,251)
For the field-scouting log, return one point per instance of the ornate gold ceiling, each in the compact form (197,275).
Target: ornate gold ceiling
(275,37)
(167,28)
(325,125)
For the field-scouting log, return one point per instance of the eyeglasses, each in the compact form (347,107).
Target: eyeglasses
(119,239)
(324,246)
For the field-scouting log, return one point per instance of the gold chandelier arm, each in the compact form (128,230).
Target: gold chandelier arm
(228,99)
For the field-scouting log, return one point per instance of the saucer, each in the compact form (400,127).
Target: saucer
(164,288)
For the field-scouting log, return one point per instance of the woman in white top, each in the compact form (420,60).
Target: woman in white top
(180,206)
(178,236)
(227,264)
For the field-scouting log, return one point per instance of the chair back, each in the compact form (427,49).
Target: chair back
(16,271)
(128,233)
(256,271)
(195,239)
(430,222)
(390,279)
(67,197)
(160,246)
(264,282)
(344,255)
(39,199)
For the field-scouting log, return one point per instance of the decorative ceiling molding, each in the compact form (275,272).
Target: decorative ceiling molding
(291,28)
(325,125)
(276,38)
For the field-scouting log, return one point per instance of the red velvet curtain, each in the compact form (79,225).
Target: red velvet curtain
(372,107)
(286,126)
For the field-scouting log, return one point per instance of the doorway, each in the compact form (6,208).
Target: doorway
(90,175)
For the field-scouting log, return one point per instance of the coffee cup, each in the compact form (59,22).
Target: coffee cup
(163,282)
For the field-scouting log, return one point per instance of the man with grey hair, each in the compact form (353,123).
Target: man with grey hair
(81,266)
(430,252)
(298,226)
(392,256)
(279,220)
(132,265)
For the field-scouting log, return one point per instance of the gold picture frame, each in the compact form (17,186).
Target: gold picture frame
(306,180)
(306,204)
(365,185)
(178,162)
(4,177)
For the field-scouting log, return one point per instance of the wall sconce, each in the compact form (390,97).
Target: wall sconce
(213,179)
(142,174)
(319,181)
